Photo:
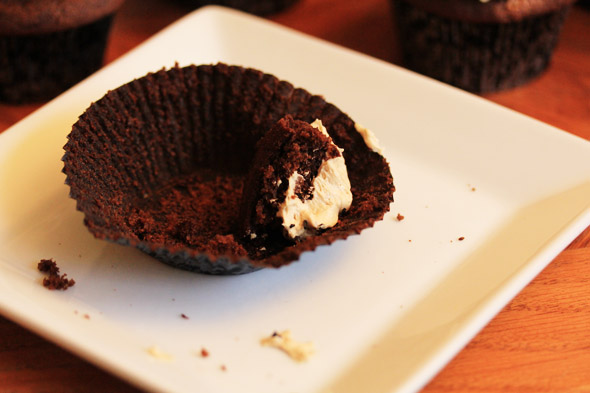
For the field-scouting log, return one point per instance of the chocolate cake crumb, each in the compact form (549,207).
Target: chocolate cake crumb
(461,238)
(58,282)
(54,280)
(183,316)
(48,266)
(400,217)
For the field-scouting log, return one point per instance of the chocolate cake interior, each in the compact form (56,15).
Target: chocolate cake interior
(160,162)
(290,146)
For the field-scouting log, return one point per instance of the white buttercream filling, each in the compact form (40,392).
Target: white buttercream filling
(299,352)
(370,139)
(317,123)
(331,194)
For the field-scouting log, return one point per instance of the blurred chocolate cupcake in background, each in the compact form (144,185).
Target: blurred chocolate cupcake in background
(479,45)
(47,46)
(257,7)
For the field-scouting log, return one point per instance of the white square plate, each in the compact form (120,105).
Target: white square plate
(385,310)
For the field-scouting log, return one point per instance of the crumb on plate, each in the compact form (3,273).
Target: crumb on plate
(54,280)
(155,352)
(299,352)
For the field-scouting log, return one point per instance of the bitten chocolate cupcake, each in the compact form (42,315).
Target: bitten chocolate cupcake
(480,45)
(178,163)
(257,7)
(46,46)
(297,184)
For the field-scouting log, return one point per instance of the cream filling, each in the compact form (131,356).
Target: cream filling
(331,195)
(299,352)
(317,123)
(155,352)
(370,139)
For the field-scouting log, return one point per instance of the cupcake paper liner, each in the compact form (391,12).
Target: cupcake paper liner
(38,67)
(159,164)
(478,57)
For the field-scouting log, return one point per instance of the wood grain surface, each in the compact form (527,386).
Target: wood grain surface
(540,342)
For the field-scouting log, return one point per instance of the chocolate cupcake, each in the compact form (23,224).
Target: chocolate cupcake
(257,7)
(46,46)
(162,163)
(479,45)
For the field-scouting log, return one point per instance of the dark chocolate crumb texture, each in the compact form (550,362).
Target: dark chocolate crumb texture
(193,164)
(54,280)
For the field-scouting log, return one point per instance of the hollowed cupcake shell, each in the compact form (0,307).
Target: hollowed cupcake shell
(147,137)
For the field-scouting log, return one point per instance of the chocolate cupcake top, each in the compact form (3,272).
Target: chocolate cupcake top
(19,17)
(490,11)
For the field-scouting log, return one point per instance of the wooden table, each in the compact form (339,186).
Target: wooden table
(540,342)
